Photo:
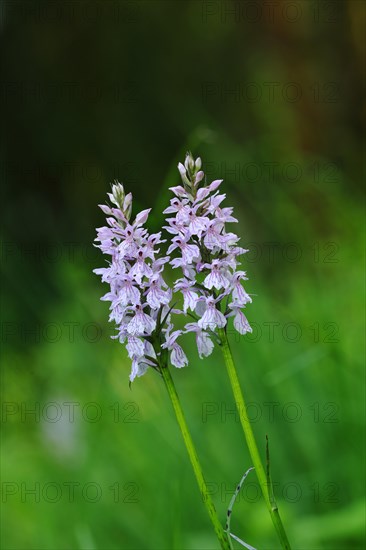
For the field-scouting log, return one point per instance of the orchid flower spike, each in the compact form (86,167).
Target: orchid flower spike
(207,254)
(138,293)
(203,250)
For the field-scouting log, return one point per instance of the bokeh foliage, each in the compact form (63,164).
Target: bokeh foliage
(93,91)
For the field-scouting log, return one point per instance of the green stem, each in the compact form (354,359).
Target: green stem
(252,445)
(221,535)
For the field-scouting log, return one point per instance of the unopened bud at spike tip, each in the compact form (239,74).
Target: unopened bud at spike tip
(189,162)
(118,194)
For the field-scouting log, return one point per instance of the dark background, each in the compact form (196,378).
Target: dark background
(270,95)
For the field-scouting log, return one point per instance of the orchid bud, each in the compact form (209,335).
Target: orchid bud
(182,169)
(127,206)
(118,194)
(199,177)
(189,162)
(183,174)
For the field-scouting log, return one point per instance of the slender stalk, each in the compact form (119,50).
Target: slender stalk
(220,533)
(252,445)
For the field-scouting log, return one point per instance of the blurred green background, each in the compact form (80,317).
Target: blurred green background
(270,95)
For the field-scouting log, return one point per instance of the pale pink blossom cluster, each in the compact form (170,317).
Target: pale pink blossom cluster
(205,253)
(138,294)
